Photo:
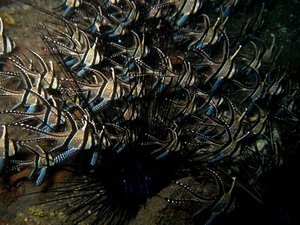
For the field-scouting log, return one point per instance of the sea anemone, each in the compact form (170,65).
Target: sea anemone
(137,97)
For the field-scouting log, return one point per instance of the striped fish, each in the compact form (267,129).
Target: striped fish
(7,147)
(138,50)
(110,89)
(124,19)
(185,8)
(6,44)
(70,5)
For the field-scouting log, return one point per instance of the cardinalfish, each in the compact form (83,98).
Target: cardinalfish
(6,43)
(70,5)
(134,87)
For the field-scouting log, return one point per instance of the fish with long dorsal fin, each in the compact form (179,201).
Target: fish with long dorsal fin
(222,205)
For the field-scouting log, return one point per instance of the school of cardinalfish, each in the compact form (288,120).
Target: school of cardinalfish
(153,78)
